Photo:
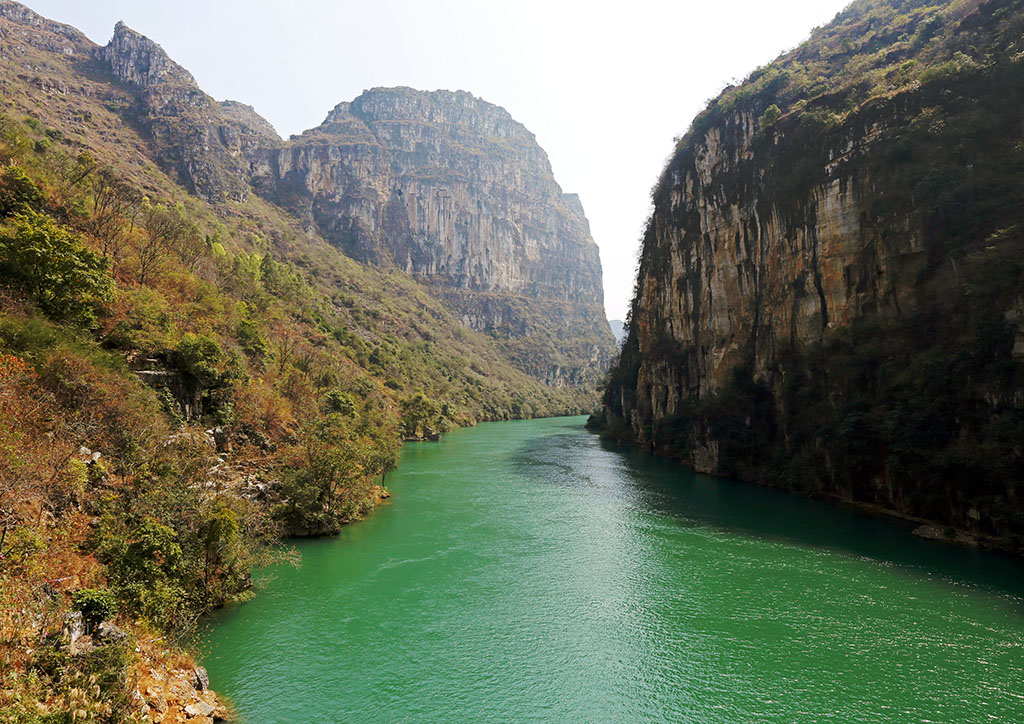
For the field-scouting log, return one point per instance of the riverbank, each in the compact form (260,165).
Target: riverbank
(924,528)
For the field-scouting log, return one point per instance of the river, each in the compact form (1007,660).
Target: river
(529,572)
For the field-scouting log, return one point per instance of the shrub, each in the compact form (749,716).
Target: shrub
(96,604)
(771,114)
(251,341)
(198,356)
(420,416)
(147,324)
(341,402)
(50,263)
(18,194)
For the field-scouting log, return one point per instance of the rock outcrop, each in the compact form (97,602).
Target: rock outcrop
(809,272)
(458,194)
(48,35)
(448,187)
(205,143)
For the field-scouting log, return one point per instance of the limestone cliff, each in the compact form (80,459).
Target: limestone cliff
(459,195)
(207,144)
(830,287)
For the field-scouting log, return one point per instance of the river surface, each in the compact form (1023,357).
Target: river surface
(529,572)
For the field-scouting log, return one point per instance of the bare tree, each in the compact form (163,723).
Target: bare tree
(166,230)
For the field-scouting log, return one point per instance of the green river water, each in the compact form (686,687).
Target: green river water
(529,572)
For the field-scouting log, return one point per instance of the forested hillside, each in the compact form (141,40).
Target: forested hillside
(187,373)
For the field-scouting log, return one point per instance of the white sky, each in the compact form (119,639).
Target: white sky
(605,87)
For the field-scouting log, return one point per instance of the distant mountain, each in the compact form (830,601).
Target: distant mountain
(459,195)
(618,330)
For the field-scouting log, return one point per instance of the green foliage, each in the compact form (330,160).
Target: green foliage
(96,604)
(198,357)
(152,553)
(251,340)
(221,535)
(18,193)
(341,403)
(329,479)
(421,416)
(771,114)
(148,324)
(51,264)
(92,687)
(145,563)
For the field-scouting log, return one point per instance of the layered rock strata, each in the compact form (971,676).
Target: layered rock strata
(458,194)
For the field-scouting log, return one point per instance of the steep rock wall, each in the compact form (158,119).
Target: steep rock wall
(459,195)
(206,143)
(826,296)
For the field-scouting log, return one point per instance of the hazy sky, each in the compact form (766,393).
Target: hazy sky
(604,86)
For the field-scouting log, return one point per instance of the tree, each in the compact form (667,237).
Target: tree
(50,263)
(96,604)
(771,114)
(219,532)
(18,193)
(198,358)
(341,403)
(385,444)
(166,230)
(115,204)
(328,479)
(420,416)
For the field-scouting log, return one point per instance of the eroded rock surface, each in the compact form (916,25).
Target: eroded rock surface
(456,193)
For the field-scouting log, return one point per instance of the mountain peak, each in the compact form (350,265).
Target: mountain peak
(141,62)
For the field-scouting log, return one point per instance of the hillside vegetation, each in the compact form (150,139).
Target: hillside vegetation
(182,383)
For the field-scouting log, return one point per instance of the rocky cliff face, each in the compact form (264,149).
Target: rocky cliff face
(459,195)
(51,36)
(207,144)
(809,270)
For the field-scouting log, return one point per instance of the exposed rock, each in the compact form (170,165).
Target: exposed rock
(73,629)
(138,61)
(202,141)
(458,194)
(49,35)
(222,439)
(931,532)
(109,633)
(157,699)
(199,708)
(774,245)
(202,679)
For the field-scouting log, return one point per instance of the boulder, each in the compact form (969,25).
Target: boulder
(73,629)
(202,682)
(108,633)
(199,708)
